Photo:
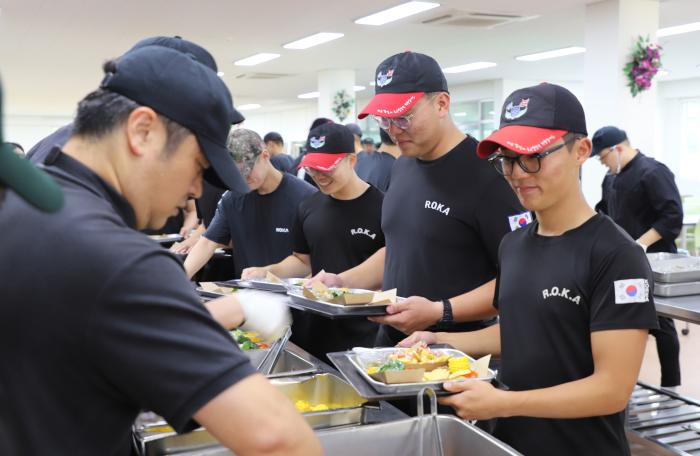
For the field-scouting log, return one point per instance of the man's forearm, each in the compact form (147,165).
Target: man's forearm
(649,237)
(226,311)
(200,254)
(293,266)
(479,343)
(368,274)
(476,304)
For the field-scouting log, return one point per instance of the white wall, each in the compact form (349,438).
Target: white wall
(292,124)
(27,130)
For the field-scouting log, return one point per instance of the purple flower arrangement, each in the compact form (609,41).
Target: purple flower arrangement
(646,61)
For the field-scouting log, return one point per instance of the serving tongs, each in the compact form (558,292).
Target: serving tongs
(275,351)
(427,421)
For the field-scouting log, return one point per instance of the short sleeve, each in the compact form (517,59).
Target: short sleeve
(622,291)
(218,230)
(299,242)
(498,202)
(157,345)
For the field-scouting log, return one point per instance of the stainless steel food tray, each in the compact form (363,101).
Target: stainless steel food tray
(264,359)
(674,268)
(423,435)
(330,310)
(166,238)
(371,389)
(676,289)
(263,285)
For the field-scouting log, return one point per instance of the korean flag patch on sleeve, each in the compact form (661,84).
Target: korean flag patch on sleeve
(631,290)
(519,220)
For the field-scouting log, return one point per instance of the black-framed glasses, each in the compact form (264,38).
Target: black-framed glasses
(529,163)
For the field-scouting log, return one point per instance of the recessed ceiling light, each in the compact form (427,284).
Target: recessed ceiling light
(305,96)
(220,74)
(248,107)
(468,67)
(662,73)
(358,88)
(678,29)
(313,40)
(396,13)
(460,114)
(551,54)
(256,59)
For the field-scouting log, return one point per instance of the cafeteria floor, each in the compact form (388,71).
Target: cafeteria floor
(650,374)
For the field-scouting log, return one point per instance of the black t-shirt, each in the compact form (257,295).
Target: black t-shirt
(375,168)
(443,221)
(338,235)
(552,293)
(98,322)
(644,196)
(284,163)
(259,225)
(207,203)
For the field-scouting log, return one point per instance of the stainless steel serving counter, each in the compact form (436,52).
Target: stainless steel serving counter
(686,308)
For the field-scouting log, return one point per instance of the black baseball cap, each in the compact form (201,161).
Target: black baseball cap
(21,176)
(355,129)
(533,118)
(177,86)
(607,137)
(367,140)
(400,81)
(326,145)
(186,47)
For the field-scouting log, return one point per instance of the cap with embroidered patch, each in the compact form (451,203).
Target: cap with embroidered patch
(400,81)
(535,117)
(326,145)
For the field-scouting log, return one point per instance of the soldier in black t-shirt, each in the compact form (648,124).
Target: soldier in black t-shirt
(574,295)
(444,213)
(336,229)
(257,224)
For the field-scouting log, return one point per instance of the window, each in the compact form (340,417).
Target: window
(475,118)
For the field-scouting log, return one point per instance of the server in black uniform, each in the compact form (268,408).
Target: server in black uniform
(444,214)
(115,327)
(336,229)
(640,195)
(257,225)
(574,295)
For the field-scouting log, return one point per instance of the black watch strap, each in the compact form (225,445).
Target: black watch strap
(446,311)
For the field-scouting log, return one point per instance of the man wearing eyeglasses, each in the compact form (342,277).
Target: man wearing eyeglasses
(444,214)
(335,229)
(640,195)
(574,296)
(257,224)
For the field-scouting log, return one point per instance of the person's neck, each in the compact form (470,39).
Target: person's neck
(271,183)
(392,150)
(353,189)
(449,138)
(627,156)
(95,155)
(567,214)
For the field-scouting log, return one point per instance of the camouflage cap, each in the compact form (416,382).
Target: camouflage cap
(245,147)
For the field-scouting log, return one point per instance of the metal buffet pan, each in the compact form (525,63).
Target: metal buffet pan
(433,435)
(674,268)
(327,309)
(670,290)
(290,364)
(367,387)
(264,359)
(152,435)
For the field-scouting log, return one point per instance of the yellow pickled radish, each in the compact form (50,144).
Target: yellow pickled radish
(458,364)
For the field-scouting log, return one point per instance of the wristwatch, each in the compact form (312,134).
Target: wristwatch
(446,311)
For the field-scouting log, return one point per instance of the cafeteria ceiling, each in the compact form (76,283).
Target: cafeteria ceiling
(51,51)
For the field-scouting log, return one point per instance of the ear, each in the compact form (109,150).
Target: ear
(265,154)
(583,150)
(352,159)
(142,126)
(442,102)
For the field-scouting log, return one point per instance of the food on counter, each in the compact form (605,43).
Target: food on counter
(305,406)
(248,340)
